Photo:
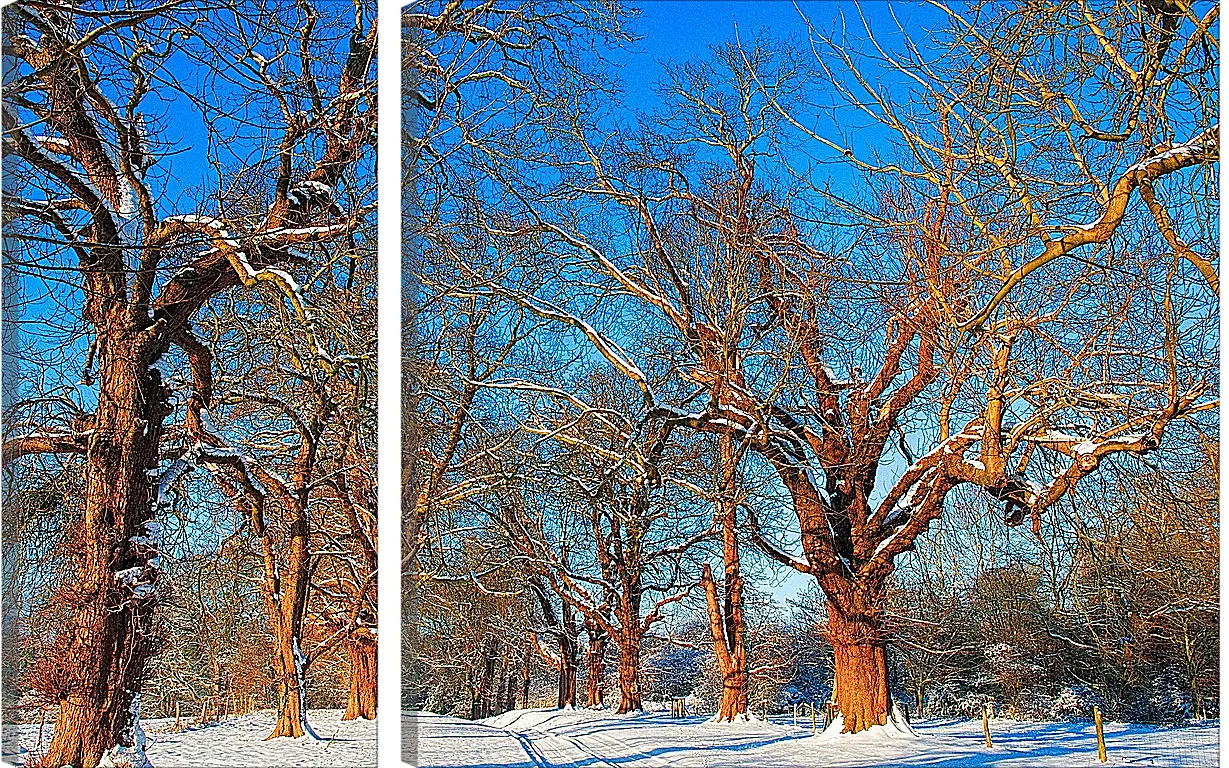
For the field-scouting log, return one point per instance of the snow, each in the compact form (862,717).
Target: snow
(235,742)
(1196,146)
(129,757)
(305,191)
(544,737)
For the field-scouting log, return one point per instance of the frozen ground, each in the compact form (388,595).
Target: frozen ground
(583,739)
(234,743)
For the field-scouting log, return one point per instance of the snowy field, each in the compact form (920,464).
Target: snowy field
(236,742)
(583,739)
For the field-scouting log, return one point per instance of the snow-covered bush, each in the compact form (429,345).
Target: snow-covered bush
(1074,702)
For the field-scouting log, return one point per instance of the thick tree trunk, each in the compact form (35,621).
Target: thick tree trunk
(362,701)
(567,673)
(855,629)
(731,652)
(595,663)
(107,645)
(629,672)
(288,663)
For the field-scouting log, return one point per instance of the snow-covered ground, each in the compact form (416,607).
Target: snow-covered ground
(539,738)
(236,742)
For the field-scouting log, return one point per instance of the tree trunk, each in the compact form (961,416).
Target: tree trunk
(286,602)
(509,702)
(595,662)
(488,677)
(362,701)
(526,672)
(726,621)
(855,629)
(288,663)
(731,655)
(101,665)
(569,653)
(567,672)
(629,671)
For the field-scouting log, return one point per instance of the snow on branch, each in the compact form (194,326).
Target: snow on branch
(1202,149)
(772,550)
(227,244)
(607,348)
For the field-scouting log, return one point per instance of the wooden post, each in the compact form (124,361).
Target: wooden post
(1096,718)
(814,727)
(985,725)
(42,713)
(204,710)
(177,727)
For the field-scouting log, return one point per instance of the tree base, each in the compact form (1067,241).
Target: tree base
(743,718)
(895,728)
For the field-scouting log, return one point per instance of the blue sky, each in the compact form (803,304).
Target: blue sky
(686,28)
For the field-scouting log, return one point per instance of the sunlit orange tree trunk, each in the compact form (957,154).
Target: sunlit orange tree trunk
(725,611)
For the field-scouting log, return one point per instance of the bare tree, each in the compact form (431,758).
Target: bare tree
(610,538)
(73,125)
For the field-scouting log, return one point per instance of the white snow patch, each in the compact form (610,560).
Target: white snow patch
(547,737)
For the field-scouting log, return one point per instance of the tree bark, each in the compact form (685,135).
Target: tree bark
(595,663)
(859,646)
(363,687)
(286,602)
(725,616)
(629,671)
(567,672)
(526,673)
(108,642)
(731,655)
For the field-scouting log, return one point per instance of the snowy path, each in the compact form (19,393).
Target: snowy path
(236,743)
(553,739)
